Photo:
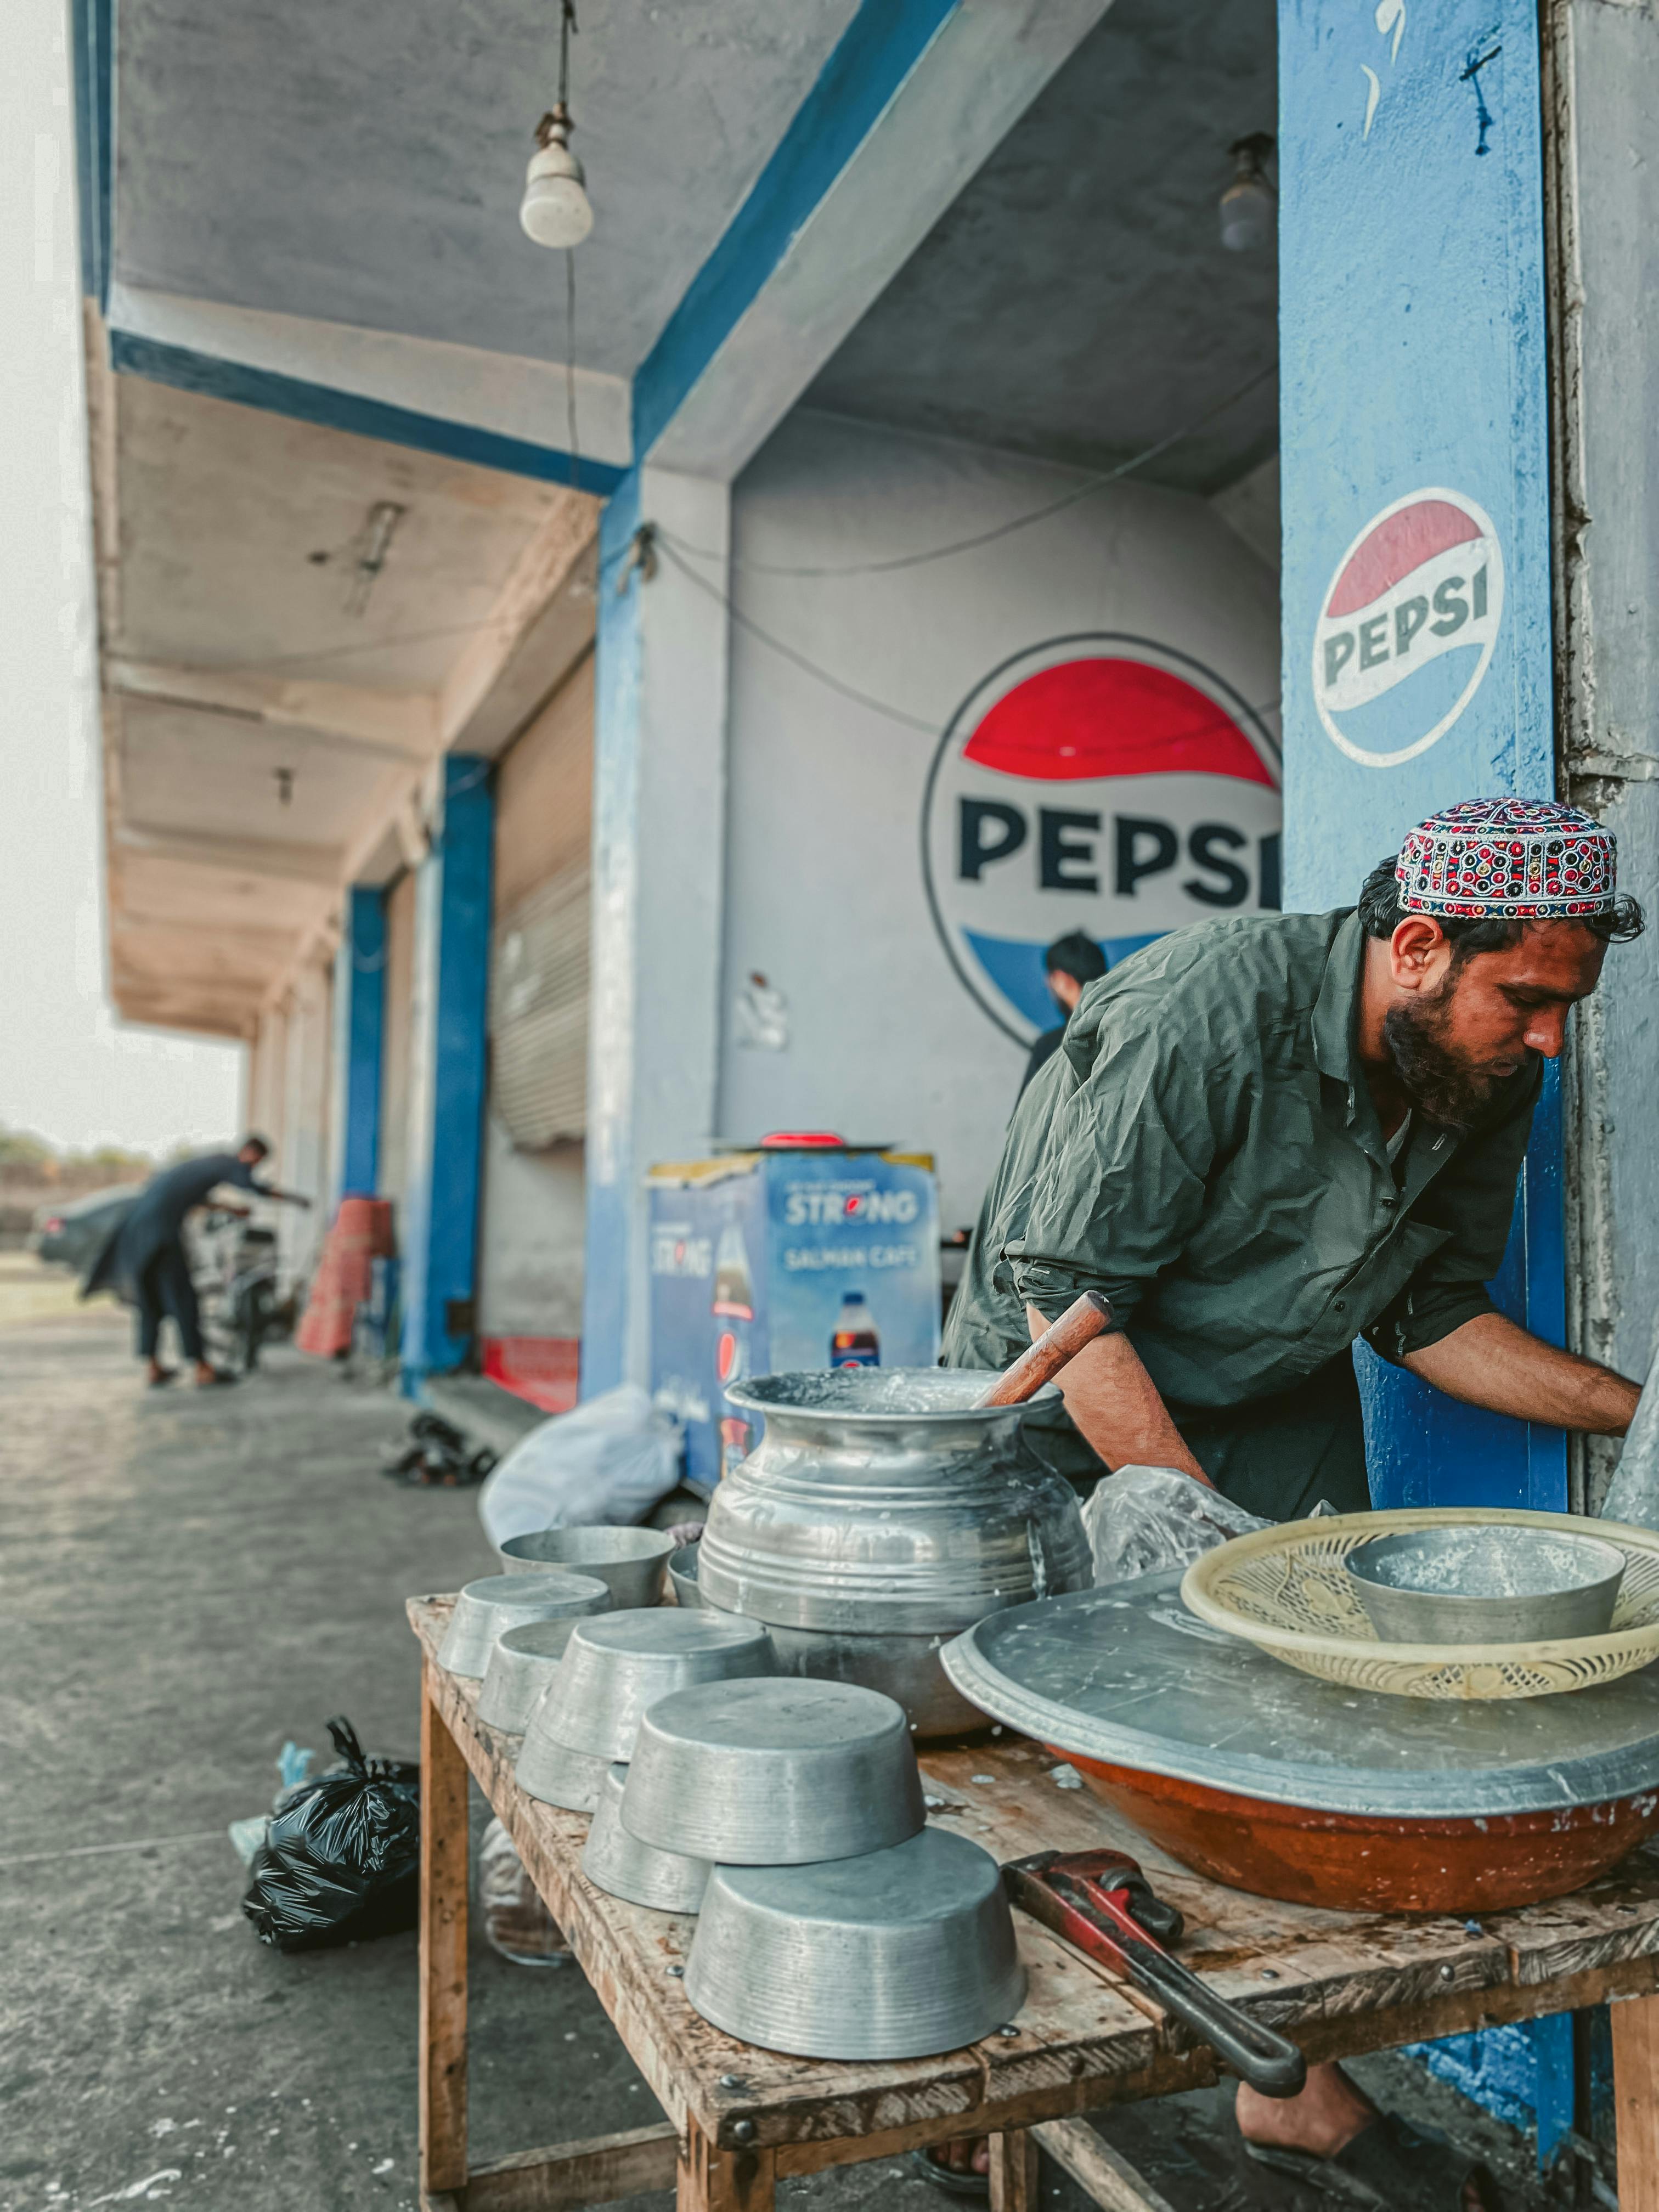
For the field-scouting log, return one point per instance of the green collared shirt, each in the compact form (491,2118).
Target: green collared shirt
(1204,1149)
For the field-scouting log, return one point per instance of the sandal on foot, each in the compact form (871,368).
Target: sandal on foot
(951,2178)
(1391,2163)
(160,1382)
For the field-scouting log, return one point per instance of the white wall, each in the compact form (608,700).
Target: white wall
(825,891)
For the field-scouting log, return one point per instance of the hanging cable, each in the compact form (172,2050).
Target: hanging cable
(1073,498)
(834,682)
(572,440)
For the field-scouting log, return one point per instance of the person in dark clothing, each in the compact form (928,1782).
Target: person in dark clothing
(144,1259)
(1071,962)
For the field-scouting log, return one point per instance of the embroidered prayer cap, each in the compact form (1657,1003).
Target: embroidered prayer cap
(1503,858)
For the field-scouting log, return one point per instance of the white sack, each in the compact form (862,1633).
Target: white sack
(607,1463)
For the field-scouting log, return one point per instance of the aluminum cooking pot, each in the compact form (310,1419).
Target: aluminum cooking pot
(884,1512)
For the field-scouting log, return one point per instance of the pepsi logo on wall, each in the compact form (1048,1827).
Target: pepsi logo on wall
(1100,782)
(1407,628)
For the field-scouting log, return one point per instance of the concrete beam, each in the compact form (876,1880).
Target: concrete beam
(489,408)
(915,97)
(243,856)
(399,725)
(539,628)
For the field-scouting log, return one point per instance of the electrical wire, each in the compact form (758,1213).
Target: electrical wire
(1073,498)
(834,682)
(572,442)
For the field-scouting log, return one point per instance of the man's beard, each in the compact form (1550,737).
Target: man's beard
(1452,1093)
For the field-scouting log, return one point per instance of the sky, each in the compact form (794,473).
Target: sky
(69,1069)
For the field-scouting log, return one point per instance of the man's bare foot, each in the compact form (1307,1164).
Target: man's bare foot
(1322,2120)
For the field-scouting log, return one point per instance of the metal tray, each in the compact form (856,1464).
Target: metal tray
(1127,1676)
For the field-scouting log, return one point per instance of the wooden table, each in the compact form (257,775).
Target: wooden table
(740,2119)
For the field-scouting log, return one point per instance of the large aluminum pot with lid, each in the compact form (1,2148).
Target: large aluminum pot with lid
(884,1512)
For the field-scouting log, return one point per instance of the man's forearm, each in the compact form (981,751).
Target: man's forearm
(1116,1404)
(1490,1362)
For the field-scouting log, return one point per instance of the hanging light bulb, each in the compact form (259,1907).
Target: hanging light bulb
(556,210)
(1249,204)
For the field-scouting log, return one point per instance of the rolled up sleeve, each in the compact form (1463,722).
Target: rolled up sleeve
(1121,1186)
(1474,1200)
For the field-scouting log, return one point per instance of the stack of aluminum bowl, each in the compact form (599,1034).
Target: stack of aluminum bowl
(834,1922)
(613,1668)
(487,1608)
(884,1512)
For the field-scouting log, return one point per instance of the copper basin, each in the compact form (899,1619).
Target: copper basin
(1352,1862)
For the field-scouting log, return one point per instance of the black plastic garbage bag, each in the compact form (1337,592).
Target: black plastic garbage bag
(341,1859)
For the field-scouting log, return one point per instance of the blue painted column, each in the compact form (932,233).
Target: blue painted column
(658,878)
(1417,603)
(359,1017)
(1417,591)
(448,1031)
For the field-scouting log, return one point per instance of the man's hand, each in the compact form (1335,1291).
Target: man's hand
(1490,1362)
(1115,1405)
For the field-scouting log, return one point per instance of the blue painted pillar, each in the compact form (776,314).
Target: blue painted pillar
(446,1075)
(1417,591)
(658,878)
(359,1015)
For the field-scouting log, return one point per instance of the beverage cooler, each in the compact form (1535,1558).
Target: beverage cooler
(785,1258)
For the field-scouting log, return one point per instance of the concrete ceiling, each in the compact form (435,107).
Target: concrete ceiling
(362,165)
(1076,301)
(259,735)
(240,533)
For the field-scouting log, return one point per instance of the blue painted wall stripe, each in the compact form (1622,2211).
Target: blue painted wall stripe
(92,30)
(871,59)
(359,1021)
(612,1172)
(446,1080)
(186,370)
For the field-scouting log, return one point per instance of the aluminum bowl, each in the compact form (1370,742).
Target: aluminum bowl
(899,1955)
(556,1775)
(523,1662)
(618,1663)
(1487,1584)
(683,1575)
(629,1562)
(774,1773)
(622,1866)
(486,1608)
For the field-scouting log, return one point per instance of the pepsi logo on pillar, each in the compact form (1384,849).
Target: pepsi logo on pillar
(1102,783)
(1407,627)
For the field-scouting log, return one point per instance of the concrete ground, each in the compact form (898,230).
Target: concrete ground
(190,1581)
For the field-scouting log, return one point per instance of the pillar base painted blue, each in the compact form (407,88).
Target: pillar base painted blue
(447,1078)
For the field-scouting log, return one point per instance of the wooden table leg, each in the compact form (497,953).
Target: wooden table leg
(444,1848)
(714,2180)
(1014,2171)
(1636,2100)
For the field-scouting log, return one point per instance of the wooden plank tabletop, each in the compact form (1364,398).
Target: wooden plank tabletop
(1339,1982)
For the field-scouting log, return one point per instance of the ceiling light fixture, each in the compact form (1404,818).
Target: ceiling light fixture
(1250,205)
(374,544)
(556,210)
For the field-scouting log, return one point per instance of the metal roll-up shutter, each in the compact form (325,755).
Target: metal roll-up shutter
(538,1012)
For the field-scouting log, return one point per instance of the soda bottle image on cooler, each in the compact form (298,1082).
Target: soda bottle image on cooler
(854,1343)
(734,1312)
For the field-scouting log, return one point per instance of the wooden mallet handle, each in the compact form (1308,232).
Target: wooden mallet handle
(1043,1359)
